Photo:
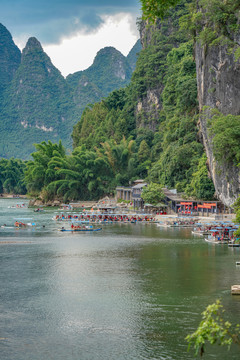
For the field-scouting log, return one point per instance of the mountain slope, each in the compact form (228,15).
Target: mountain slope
(109,71)
(133,54)
(10,58)
(38,103)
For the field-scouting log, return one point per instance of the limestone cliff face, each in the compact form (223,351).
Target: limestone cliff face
(147,110)
(157,40)
(148,107)
(218,80)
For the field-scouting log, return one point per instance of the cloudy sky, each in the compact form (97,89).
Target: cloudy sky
(72,31)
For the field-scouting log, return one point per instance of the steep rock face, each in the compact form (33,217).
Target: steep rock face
(147,111)
(218,80)
(10,58)
(157,40)
(149,105)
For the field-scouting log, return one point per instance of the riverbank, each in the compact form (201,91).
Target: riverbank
(110,203)
(81,204)
(74,205)
(10,196)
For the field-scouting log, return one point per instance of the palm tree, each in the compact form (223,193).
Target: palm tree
(83,175)
(39,173)
(119,156)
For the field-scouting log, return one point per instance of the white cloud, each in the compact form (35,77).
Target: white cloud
(77,53)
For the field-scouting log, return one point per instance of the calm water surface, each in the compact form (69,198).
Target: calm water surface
(131,291)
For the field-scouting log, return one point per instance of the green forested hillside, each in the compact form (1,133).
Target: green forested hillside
(109,71)
(12,173)
(107,61)
(10,58)
(38,104)
(132,56)
(112,118)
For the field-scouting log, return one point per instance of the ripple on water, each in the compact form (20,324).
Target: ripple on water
(129,292)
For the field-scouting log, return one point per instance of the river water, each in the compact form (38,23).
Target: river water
(130,291)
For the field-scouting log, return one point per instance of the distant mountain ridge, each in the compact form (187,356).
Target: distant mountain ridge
(109,71)
(38,103)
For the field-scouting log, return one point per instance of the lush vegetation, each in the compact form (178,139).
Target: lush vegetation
(153,194)
(12,176)
(85,174)
(180,149)
(167,147)
(213,22)
(214,329)
(40,172)
(157,8)
(225,130)
(201,185)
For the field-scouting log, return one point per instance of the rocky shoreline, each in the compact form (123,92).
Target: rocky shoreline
(58,203)
(78,204)
(37,202)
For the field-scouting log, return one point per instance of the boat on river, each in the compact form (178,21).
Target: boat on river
(223,233)
(23,223)
(87,229)
(215,240)
(102,218)
(212,240)
(18,206)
